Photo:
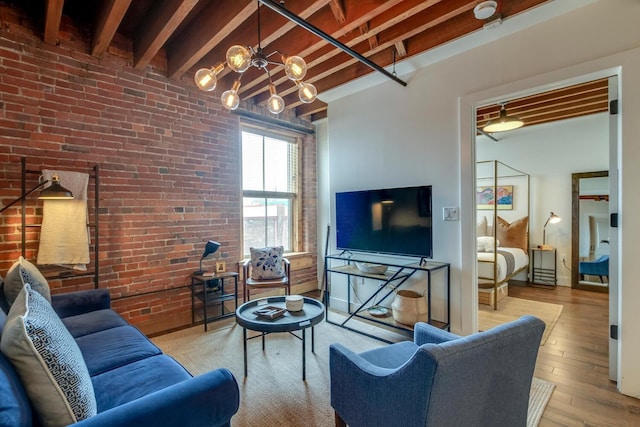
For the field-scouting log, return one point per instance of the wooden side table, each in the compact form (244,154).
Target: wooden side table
(213,290)
(543,275)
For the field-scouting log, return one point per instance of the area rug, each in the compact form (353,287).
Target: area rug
(510,308)
(273,394)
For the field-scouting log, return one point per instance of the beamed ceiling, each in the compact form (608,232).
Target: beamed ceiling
(192,34)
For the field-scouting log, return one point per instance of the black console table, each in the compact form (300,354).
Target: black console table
(395,276)
(213,290)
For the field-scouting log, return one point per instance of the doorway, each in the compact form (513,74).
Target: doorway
(590,239)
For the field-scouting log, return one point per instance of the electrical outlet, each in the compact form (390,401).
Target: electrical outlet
(563,258)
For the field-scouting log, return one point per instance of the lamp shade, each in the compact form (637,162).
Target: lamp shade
(210,248)
(553,219)
(503,123)
(55,191)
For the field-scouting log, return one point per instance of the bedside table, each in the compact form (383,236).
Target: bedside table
(541,276)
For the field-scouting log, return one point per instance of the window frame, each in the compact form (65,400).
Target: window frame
(295,197)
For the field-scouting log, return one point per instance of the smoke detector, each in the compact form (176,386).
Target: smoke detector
(485,9)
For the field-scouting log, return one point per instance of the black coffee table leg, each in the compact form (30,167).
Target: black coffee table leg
(244,339)
(313,341)
(304,367)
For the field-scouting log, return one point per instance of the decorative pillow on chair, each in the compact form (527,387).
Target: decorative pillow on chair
(513,235)
(48,361)
(266,263)
(21,272)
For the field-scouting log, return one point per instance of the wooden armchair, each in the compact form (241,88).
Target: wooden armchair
(252,279)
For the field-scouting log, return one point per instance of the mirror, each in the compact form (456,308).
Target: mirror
(590,231)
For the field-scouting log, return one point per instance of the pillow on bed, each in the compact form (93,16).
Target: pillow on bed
(486,244)
(513,235)
(481,227)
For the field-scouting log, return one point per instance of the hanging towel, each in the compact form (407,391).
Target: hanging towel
(64,235)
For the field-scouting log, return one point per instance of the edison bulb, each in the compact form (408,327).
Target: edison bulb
(307,92)
(230,98)
(275,104)
(238,58)
(206,78)
(295,67)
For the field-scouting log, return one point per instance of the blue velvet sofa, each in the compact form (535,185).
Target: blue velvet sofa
(134,383)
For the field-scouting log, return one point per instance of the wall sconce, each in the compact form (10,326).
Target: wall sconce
(553,219)
(53,192)
(209,249)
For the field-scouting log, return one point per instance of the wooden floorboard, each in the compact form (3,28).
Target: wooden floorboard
(575,359)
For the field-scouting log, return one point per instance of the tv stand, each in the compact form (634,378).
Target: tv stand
(395,276)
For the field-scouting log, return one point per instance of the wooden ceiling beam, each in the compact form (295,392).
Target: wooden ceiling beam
(300,42)
(53,17)
(319,116)
(417,23)
(337,7)
(324,58)
(107,24)
(157,27)
(311,108)
(206,31)
(458,26)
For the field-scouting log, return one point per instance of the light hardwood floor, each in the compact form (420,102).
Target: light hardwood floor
(575,359)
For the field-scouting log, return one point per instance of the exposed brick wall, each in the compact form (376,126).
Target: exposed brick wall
(169,159)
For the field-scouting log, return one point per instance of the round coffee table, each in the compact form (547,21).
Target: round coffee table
(311,314)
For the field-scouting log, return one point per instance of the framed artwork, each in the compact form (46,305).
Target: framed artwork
(221,267)
(486,197)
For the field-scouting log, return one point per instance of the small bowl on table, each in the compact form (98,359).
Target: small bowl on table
(294,302)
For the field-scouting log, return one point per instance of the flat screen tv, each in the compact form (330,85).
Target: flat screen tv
(396,221)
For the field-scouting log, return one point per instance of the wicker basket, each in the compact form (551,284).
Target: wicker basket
(409,307)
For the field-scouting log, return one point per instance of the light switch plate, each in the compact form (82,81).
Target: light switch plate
(450,214)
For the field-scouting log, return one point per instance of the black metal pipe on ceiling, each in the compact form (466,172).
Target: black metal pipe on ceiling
(318,32)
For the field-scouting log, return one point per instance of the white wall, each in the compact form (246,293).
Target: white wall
(550,153)
(424,133)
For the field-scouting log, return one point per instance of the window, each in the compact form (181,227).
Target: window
(269,187)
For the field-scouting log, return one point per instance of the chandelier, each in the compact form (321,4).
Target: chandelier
(240,58)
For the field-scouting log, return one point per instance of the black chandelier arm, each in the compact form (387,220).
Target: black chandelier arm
(318,32)
(275,63)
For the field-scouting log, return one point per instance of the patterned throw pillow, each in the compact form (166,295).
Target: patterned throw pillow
(21,272)
(266,263)
(48,361)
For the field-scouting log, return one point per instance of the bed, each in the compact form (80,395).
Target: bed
(502,228)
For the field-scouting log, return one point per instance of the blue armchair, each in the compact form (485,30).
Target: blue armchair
(599,267)
(439,379)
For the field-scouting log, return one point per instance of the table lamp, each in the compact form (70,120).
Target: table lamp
(209,248)
(553,219)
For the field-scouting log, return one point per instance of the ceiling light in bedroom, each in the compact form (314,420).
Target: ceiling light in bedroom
(553,219)
(504,122)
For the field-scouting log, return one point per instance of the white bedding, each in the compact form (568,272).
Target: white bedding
(485,264)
